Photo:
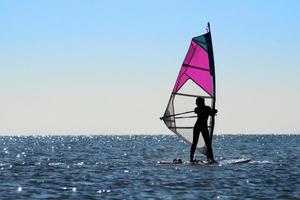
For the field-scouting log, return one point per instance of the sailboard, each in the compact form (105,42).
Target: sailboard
(196,78)
(199,162)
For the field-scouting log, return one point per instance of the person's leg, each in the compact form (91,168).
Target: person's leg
(196,133)
(209,154)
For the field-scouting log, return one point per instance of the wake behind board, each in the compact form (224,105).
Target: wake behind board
(200,162)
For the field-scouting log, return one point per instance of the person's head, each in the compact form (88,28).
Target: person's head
(200,101)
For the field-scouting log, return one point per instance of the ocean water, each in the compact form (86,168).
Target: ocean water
(126,167)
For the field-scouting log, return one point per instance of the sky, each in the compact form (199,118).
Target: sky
(108,66)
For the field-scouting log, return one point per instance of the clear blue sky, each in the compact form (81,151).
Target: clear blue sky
(109,66)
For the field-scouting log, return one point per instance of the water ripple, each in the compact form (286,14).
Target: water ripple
(127,167)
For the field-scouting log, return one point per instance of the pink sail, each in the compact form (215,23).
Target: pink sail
(195,67)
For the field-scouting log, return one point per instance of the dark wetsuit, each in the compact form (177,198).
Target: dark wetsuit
(203,113)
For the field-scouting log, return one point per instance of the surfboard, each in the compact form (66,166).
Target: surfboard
(203,162)
(235,161)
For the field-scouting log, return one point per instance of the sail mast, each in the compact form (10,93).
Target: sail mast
(212,64)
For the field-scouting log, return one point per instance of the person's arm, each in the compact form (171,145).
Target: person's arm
(212,112)
(196,110)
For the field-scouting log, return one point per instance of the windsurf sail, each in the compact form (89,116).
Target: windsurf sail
(196,79)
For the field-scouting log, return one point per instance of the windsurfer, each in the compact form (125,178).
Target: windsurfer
(203,112)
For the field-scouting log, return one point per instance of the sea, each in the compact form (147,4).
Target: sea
(129,167)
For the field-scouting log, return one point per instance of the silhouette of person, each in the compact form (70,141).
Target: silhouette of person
(203,112)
